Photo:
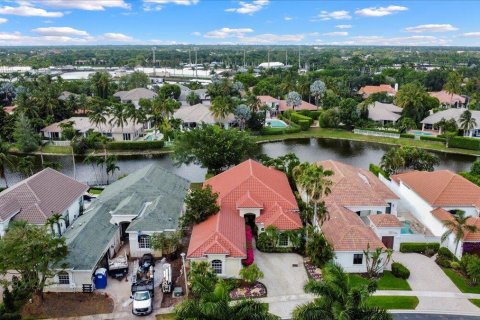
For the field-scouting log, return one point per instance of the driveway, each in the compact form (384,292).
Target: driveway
(284,275)
(426,275)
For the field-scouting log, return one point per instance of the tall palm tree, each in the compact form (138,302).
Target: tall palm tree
(459,226)
(54,221)
(392,161)
(119,116)
(221,107)
(25,166)
(98,116)
(6,161)
(453,84)
(467,122)
(337,299)
(111,166)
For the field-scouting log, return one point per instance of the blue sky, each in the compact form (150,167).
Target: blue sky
(81,22)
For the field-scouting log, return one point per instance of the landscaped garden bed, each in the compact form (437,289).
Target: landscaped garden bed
(313,272)
(257,290)
(464,273)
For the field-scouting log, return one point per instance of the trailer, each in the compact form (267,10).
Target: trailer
(167,278)
(118,267)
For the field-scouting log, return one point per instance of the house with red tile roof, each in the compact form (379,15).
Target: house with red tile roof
(433,197)
(449,99)
(356,196)
(369,90)
(248,193)
(282,105)
(38,197)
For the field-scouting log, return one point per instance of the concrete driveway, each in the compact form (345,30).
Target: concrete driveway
(426,275)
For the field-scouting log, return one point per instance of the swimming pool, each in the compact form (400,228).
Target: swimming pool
(275,123)
(420,133)
(406,228)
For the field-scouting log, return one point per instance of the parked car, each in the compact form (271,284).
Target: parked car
(142,303)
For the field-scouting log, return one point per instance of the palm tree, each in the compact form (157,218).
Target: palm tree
(25,166)
(459,226)
(338,299)
(467,122)
(54,221)
(221,107)
(119,116)
(6,161)
(453,84)
(98,116)
(111,166)
(392,161)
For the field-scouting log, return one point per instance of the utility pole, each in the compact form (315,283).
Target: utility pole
(268,58)
(299,65)
(286,57)
(196,72)
(154,62)
(244,54)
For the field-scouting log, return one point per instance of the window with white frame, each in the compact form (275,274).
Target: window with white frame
(144,241)
(217,266)
(283,240)
(63,278)
(358,258)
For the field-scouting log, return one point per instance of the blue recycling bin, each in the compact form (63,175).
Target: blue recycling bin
(101,278)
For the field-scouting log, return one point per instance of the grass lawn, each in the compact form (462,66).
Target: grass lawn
(387,282)
(95,191)
(166,316)
(475,302)
(56,149)
(394,302)
(461,282)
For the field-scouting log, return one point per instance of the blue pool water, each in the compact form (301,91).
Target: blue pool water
(406,228)
(150,138)
(421,133)
(275,123)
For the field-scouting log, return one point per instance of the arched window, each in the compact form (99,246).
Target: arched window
(283,240)
(63,277)
(217,266)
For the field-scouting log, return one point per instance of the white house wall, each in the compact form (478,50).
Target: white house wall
(77,279)
(345,259)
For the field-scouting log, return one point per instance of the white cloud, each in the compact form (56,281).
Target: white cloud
(471,34)
(268,38)
(380,11)
(432,28)
(113,36)
(336,34)
(90,5)
(60,31)
(335,15)
(288,18)
(393,41)
(180,2)
(227,33)
(249,7)
(196,33)
(3,20)
(26,10)
(344,26)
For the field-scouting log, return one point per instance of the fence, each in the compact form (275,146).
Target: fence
(377,133)
(63,143)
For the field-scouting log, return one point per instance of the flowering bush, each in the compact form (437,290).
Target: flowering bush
(249,236)
(313,272)
(258,290)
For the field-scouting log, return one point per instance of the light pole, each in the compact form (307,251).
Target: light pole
(184,272)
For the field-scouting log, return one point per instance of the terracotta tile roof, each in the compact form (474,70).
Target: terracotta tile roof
(282,104)
(254,184)
(345,231)
(385,220)
(40,195)
(368,90)
(356,186)
(441,188)
(442,215)
(447,98)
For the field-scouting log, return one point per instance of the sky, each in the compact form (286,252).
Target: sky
(264,22)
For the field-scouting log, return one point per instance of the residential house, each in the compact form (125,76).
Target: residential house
(130,131)
(449,100)
(432,197)
(383,88)
(356,196)
(65,95)
(135,95)
(249,193)
(429,123)
(129,211)
(384,113)
(194,116)
(280,106)
(38,197)
(9,109)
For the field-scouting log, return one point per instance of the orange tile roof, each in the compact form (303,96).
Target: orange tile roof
(345,231)
(283,106)
(441,188)
(368,90)
(356,186)
(442,215)
(385,220)
(254,184)
(447,98)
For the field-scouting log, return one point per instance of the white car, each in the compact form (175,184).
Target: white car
(142,303)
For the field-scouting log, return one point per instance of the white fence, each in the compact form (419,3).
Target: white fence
(377,133)
(62,143)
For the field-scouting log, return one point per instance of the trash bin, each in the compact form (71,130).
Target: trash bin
(101,278)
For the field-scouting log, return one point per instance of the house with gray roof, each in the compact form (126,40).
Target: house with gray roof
(196,115)
(429,123)
(129,211)
(38,197)
(135,95)
(384,113)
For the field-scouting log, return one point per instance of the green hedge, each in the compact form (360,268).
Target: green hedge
(400,271)
(293,128)
(299,119)
(379,130)
(135,145)
(419,247)
(407,136)
(304,124)
(431,138)
(309,113)
(471,177)
(376,170)
(464,143)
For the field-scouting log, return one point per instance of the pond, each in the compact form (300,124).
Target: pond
(359,154)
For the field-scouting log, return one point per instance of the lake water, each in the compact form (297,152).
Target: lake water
(359,154)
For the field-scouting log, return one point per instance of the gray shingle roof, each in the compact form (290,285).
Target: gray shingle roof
(451,113)
(40,195)
(199,113)
(383,111)
(153,192)
(135,94)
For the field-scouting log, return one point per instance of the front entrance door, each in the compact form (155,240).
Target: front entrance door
(388,241)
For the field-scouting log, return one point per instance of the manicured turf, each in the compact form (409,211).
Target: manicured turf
(387,282)
(394,302)
(461,282)
(475,302)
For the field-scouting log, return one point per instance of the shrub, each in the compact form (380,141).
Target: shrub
(443,261)
(407,136)
(310,113)
(428,138)
(304,124)
(445,252)
(250,257)
(79,146)
(251,274)
(319,250)
(135,145)
(400,271)
(376,170)
(471,266)
(455,265)
(293,128)
(418,247)
(470,177)
(464,143)
(329,119)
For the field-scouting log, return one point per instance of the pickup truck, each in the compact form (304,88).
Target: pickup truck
(143,284)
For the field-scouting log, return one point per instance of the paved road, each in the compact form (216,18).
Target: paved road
(418,316)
